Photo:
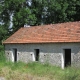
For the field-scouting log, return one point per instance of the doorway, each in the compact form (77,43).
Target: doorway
(36,54)
(67,57)
(15,55)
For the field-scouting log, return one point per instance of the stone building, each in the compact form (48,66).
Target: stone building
(57,44)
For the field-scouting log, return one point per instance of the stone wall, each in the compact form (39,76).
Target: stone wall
(49,53)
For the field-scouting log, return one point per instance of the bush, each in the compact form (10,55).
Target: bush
(2,55)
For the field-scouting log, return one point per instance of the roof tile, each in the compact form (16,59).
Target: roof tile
(61,32)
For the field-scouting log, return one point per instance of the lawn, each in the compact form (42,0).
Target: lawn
(37,71)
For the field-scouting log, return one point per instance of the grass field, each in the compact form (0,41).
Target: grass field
(35,71)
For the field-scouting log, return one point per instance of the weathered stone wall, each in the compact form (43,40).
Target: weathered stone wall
(51,53)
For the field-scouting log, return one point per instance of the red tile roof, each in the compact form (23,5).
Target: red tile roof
(62,32)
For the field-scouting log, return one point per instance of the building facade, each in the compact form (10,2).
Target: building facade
(59,54)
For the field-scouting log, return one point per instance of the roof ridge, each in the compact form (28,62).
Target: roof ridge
(51,24)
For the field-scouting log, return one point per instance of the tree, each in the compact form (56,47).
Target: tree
(20,11)
(3,33)
(55,11)
(37,7)
(60,11)
(76,16)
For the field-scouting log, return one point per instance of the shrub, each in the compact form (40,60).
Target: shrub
(2,55)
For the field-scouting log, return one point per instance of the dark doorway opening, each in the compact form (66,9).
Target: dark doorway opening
(36,54)
(15,55)
(67,57)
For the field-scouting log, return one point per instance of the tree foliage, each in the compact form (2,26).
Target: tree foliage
(20,11)
(3,33)
(55,11)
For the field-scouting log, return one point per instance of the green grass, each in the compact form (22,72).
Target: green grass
(35,71)
(54,72)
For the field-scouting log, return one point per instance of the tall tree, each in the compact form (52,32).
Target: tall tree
(37,7)
(20,11)
(3,33)
(55,11)
(76,16)
(60,11)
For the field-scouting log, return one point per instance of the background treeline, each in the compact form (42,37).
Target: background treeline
(17,13)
